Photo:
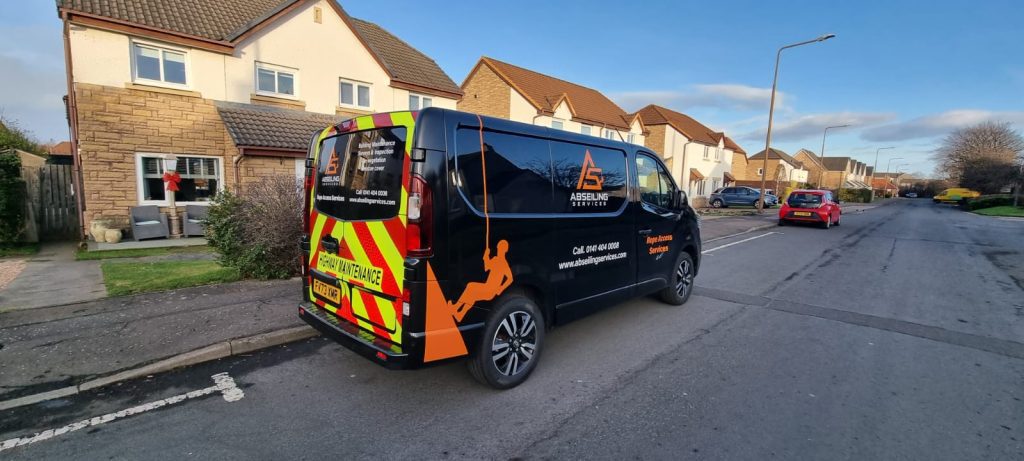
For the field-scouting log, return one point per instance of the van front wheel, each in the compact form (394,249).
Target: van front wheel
(680,282)
(510,346)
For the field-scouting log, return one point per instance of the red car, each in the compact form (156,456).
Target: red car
(811,206)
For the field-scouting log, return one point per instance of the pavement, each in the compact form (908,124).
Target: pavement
(53,277)
(55,351)
(899,334)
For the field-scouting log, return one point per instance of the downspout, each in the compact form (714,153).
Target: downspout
(236,161)
(72,110)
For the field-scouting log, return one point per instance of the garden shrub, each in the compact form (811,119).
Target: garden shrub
(12,198)
(989,201)
(855,195)
(257,231)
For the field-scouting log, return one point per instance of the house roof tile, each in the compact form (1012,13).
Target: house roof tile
(61,148)
(836,163)
(658,115)
(215,20)
(778,154)
(546,92)
(735,147)
(813,158)
(263,126)
(403,62)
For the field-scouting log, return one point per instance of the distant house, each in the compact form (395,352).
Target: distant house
(782,167)
(812,163)
(699,158)
(844,171)
(499,89)
(232,88)
(60,153)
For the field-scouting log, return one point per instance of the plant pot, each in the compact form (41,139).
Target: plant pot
(98,230)
(112,235)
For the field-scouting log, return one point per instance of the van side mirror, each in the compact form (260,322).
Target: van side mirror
(679,201)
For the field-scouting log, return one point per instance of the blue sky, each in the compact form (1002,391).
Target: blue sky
(903,73)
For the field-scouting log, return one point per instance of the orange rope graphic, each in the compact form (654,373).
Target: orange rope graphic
(483,167)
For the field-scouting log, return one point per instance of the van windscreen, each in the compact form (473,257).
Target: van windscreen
(359,174)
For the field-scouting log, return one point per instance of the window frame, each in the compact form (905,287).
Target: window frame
(586,129)
(419,101)
(139,177)
(760,171)
(662,169)
(355,94)
(707,152)
(134,71)
(560,122)
(276,69)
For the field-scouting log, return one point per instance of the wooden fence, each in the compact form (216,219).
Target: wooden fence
(56,211)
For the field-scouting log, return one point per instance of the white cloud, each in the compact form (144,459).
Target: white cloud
(814,124)
(940,124)
(730,96)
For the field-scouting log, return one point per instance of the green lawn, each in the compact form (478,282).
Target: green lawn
(125,278)
(83,255)
(1008,210)
(18,249)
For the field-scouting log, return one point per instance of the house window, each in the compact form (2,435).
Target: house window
(610,134)
(157,64)
(760,171)
(706,152)
(557,124)
(714,183)
(417,102)
(274,80)
(631,138)
(354,94)
(200,179)
(718,154)
(585,129)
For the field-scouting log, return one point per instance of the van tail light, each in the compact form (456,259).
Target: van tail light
(419,230)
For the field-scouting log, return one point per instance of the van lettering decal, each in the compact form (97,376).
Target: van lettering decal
(367,276)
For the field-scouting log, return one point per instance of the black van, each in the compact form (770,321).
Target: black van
(438,234)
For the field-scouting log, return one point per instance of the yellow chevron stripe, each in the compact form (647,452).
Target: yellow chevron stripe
(364,122)
(389,249)
(358,255)
(388,306)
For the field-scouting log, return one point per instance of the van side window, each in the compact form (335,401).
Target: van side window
(588,179)
(656,187)
(518,171)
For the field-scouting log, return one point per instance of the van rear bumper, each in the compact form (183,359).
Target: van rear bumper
(350,336)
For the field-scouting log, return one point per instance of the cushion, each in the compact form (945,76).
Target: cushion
(146,223)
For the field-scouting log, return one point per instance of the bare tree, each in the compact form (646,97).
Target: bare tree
(984,157)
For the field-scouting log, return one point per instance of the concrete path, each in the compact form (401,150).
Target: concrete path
(53,277)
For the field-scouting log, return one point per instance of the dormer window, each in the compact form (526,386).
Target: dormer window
(161,65)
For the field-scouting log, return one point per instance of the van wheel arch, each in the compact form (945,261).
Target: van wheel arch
(537,296)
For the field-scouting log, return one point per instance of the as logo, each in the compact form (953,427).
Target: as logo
(590,175)
(332,164)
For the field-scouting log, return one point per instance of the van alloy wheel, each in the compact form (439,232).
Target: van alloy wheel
(514,343)
(684,278)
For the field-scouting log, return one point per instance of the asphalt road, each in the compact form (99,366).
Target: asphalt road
(899,334)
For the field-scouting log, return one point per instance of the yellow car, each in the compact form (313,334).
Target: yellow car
(955,195)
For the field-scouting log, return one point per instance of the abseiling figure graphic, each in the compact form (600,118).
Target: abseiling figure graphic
(499,277)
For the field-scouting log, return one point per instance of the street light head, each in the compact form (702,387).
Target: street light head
(826,37)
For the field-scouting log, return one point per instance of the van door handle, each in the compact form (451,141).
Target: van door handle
(645,232)
(330,244)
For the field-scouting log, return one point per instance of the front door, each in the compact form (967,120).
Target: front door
(656,221)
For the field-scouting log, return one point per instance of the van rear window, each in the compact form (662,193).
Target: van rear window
(359,175)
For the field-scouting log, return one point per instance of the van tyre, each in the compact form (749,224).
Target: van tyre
(716,203)
(511,343)
(680,282)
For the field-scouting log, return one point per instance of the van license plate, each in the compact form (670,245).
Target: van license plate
(801,213)
(329,292)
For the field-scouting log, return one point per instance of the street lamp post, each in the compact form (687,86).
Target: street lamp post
(887,170)
(771,114)
(875,167)
(822,174)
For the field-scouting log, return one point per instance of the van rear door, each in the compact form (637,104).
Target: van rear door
(358,221)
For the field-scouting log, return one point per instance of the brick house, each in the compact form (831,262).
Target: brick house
(232,88)
(502,90)
(844,171)
(782,167)
(812,163)
(699,158)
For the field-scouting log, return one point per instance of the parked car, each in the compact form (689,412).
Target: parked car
(740,195)
(955,195)
(811,206)
(911,194)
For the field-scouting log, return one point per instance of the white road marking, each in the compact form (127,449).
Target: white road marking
(737,242)
(223,383)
